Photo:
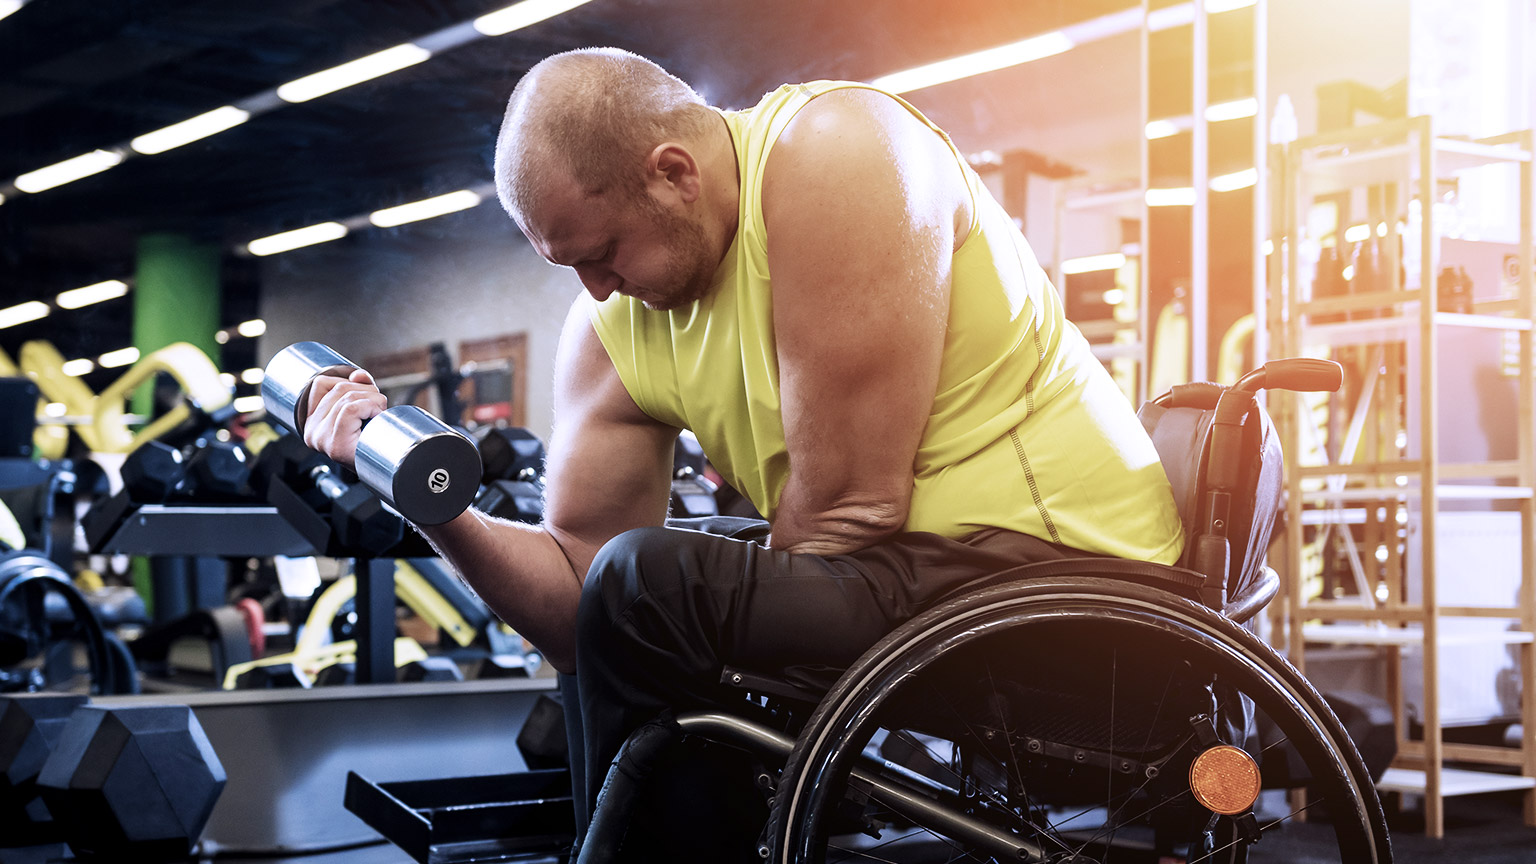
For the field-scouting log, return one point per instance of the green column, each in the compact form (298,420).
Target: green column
(175,299)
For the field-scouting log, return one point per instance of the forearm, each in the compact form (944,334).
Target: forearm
(522,573)
(833,522)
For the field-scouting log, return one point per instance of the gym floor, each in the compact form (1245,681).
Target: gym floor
(1483,829)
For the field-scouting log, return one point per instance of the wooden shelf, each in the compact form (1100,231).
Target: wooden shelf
(1453,782)
(1397,328)
(1329,170)
(1406,637)
(1445,491)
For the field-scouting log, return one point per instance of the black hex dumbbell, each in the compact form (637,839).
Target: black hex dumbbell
(210,470)
(358,518)
(30,725)
(513,459)
(132,783)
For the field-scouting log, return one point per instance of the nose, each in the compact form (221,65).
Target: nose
(599,283)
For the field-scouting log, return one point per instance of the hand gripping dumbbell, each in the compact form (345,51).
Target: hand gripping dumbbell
(417,463)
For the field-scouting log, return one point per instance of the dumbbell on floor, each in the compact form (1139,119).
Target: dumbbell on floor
(421,466)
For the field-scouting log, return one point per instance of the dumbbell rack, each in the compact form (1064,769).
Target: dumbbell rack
(121,527)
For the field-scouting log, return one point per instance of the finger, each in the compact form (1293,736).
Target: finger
(360,376)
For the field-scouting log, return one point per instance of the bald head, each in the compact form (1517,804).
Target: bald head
(594,114)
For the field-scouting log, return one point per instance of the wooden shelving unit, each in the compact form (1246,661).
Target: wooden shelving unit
(1387,479)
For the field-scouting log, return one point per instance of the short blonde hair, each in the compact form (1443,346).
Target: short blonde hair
(594,113)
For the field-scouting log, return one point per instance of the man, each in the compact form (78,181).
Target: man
(903,399)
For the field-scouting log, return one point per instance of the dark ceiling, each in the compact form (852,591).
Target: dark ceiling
(76,75)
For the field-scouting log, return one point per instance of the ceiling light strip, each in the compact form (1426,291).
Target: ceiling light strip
(514,17)
(98,293)
(1045,45)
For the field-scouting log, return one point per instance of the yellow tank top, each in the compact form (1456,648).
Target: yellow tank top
(1027,433)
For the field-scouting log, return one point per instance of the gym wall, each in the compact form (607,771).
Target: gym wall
(465,276)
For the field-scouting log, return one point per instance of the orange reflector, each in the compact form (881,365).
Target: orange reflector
(1225,780)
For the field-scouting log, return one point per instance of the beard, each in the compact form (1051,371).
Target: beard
(690,264)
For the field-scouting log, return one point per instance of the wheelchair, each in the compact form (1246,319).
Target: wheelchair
(1079,711)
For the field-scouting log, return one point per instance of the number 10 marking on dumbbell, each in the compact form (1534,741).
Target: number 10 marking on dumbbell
(400,453)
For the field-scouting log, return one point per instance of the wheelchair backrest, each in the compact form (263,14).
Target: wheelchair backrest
(1181,432)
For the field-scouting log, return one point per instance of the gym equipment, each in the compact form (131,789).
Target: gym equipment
(209,403)
(513,474)
(30,725)
(28,577)
(359,521)
(418,464)
(449,820)
(132,783)
(224,630)
(693,494)
(299,668)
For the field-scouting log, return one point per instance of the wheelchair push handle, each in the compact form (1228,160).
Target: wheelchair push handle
(1304,374)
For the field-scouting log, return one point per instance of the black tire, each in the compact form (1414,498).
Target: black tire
(903,687)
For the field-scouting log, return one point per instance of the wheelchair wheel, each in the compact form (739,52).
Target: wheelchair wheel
(1074,720)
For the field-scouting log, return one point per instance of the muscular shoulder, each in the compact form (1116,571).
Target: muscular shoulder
(850,140)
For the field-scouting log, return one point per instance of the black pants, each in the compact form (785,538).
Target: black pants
(664,609)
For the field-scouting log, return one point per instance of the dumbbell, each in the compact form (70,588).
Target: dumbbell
(514,465)
(425,469)
(359,519)
(210,471)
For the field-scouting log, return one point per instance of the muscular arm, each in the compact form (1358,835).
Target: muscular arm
(608,471)
(863,207)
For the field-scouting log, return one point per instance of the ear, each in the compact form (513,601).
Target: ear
(672,173)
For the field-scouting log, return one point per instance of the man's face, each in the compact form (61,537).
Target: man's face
(630,244)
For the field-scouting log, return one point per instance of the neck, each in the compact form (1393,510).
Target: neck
(723,195)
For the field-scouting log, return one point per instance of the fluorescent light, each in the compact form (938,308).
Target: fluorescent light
(359,70)
(1237,109)
(21,313)
(76,368)
(55,409)
(425,209)
(252,328)
(1348,273)
(296,239)
(252,375)
(1269,247)
(520,15)
(1170,16)
(248,404)
(68,171)
(1236,180)
(101,291)
(1357,233)
(120,357)
(187,131)
(1180,196)
(227,380)
(221,337)
(1114,296)
(1111,261)
(967,65)
(9,6)
(1214,6)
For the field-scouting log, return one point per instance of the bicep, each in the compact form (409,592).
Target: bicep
(860,232)
(609,464)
